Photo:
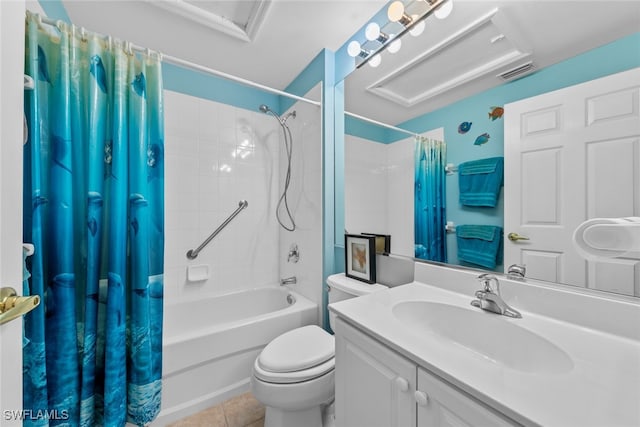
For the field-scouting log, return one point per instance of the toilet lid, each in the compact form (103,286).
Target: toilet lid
(297,350)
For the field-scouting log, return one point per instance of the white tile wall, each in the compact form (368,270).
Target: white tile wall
(379,189)
(217,155)
(305,200)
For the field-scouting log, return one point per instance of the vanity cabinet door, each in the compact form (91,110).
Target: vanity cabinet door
(441,405)
(374,385)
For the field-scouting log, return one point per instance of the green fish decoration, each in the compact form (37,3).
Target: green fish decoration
(496,113)
(482,139)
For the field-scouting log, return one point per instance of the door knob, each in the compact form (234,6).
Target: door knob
(422,399)
(402,384)
(13,306)
(514,237)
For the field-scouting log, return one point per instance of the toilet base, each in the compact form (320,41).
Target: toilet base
(310,417)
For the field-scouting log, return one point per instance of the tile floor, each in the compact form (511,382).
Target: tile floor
(240,411)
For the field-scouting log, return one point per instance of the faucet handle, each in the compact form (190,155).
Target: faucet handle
(486,279)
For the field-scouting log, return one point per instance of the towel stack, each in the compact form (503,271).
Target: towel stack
(480,244)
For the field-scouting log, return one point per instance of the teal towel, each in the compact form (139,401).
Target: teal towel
(480,244)
(480,181)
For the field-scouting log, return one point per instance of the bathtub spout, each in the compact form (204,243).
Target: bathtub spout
(288,281)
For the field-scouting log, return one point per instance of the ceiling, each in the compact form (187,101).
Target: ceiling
(271,42)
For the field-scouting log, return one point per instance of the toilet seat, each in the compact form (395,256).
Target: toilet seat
(295,356)
(293,377)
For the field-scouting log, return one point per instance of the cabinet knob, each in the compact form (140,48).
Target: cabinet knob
(421,398)
(402,384)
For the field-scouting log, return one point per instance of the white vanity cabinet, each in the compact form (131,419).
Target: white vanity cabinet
(375,386)
(439,404)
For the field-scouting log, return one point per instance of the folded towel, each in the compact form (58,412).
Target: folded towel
(480,244)
(480,181)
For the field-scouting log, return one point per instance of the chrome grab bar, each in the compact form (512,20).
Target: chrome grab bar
(193,253)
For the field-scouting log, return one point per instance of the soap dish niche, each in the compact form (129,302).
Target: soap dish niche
(197,273)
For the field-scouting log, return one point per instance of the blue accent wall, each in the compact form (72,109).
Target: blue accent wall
(218,89)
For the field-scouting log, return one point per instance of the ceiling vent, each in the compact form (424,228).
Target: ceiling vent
(517,71)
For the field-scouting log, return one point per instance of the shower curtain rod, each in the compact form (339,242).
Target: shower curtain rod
(375,122)
(187,64)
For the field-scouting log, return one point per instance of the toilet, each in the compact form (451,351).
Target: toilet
(293,376)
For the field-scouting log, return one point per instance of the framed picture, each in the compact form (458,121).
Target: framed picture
(360,257)
(383,243)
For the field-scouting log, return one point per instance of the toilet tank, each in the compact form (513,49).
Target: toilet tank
(342,287)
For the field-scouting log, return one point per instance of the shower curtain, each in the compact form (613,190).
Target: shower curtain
(93,192)
(430,207)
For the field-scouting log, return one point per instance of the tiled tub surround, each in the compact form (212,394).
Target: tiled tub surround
(598,332)
(217,155)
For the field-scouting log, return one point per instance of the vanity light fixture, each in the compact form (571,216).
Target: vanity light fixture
(372,32)
(355,49)
(418,27)
(375,60)
(395,45)
(396,13)
(444,10)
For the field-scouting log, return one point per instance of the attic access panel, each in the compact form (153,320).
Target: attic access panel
(239,19)
(483,46)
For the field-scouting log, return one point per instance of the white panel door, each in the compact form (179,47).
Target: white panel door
(11,94)
(571,155)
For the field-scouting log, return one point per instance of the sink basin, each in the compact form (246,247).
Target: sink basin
(494,337)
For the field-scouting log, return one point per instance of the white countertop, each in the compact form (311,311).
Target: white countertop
(602,389)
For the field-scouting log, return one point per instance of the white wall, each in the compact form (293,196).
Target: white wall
(379,189)
(206,176)
(208,171)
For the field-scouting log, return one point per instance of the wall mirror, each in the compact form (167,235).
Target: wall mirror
(452,77)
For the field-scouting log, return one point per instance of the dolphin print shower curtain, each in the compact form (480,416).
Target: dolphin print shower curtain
(430,203)
(93,192)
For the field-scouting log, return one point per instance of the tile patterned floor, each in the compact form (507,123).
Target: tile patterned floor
(240,411)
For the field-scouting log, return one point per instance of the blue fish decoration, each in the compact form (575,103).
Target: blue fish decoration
(43,72)
(482,139)
(96,68)
(464,127)
(139,85)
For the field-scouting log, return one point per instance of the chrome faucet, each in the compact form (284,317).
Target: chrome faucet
(516,272)
(492,301)
(288,281)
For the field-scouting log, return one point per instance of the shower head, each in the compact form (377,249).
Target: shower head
(264,108)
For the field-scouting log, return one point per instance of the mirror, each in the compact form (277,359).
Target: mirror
(379,163)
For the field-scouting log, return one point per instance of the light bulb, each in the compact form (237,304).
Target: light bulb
(372,32)
(418,28)
(395,46)
(353,49)
(395,11)
(444,9)
(375,61)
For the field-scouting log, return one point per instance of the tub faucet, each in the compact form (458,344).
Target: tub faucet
(492,301)
(288,281)
(516,272)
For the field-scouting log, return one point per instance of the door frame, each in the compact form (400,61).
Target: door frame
(12,16)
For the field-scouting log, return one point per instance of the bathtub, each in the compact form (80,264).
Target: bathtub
(209,345)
